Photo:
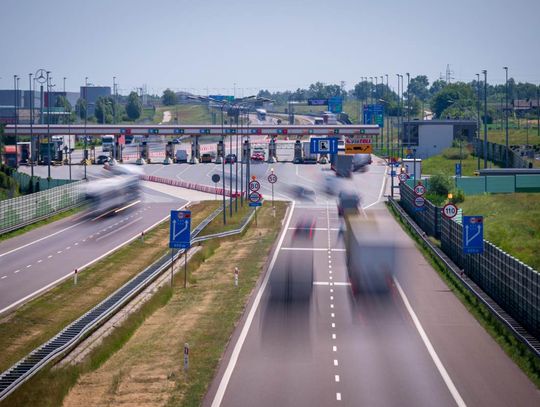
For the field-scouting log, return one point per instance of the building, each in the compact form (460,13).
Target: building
(91,94)
(432,137)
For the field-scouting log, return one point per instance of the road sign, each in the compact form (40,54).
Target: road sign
(178,131)
(419,189)
(254,196)
(473,234)
(255,131)
(359,148)
(180,230)
(419,203)
(272,178)
(335,104)
(374,114)
(317,102)
(204,131)
(323,145)
(216,178)
(255,204)
(222,98)
(393,173)
(458,170)
(153,131)
(449,210)
(403,177)
(254,185)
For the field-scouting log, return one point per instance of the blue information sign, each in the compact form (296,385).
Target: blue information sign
(473,234)
(326,145)
(458,170)
(222,98)
(180,230)
(374,114)
(255,204)
(317,102)
(335,104)
(178,131)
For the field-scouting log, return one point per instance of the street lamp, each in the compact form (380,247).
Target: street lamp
(478,119)
(85,153)
(485,117)
(506,118)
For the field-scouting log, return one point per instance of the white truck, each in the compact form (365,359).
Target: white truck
(107,143)
(307,156)
(181,156)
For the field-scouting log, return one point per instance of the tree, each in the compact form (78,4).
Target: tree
(169,97)
(437,86)
(457,94)
(104,110)
(80,107)
(419,87)
(61,101)
(134,106)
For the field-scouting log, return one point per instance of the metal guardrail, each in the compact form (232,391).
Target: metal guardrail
(78,330)
(519,332)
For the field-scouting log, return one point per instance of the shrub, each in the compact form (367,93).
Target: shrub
(440,184)
(457,197)
(453,153)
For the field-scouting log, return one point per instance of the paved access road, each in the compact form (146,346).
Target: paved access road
(416,346)
(32,262)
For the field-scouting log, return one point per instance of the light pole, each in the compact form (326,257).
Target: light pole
(478,119)
(49,126)
(506,118)
(485,117)
(15,115)
(31,125)
(85,153)
(409,113)
(388,119)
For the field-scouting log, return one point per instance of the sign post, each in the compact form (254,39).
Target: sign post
(180,237)
(215,180)
(186,357)
(272,179)
(449,210)
(254,197)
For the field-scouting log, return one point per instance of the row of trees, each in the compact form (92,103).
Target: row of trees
(106,109)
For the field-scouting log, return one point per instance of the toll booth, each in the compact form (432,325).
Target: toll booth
(195,150)
(272,150)
(297,152)
(220,151)
(10,156)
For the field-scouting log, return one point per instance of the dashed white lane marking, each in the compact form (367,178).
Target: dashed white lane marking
(330,283)
(331,298)
(338,396)
(3,277)
(76,244)
(336,378)
(334,348)
(16,271)
(59,251)
(336,362)
(333,315)
(440,367)
(84,240)
(49,256)
(311,249)
(39,261)
(331,305)
(333,336)
(69,247)
(333,324)
(28,266)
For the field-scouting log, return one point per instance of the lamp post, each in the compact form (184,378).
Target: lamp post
(485,117)
(15,113)
(409,112)
(49,126)
(31,125)
(387,120)
(506,118)
(85,152)
(478,118)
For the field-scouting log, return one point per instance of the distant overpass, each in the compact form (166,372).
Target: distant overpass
(192,130)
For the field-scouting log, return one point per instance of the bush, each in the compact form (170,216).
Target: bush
(453,153)
(440,184)
(457,197)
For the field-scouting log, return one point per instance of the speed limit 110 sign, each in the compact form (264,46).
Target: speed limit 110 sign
(449,210)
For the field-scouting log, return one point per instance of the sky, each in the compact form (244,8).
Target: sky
(241,46)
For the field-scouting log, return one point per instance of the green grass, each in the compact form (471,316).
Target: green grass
(43,222)
(187,114)
(439,163)
(208,338)
(512,222)
(38,320)
(516,350)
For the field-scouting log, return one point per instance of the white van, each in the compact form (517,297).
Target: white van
(181,156)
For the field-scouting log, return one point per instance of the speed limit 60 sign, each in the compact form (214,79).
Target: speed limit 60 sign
(449,210)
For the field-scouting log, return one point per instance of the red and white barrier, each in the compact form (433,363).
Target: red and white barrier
(188,185)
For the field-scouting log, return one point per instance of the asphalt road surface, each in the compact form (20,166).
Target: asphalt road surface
(413,346)
(32,262)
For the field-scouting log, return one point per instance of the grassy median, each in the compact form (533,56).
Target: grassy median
(38,320)
(516,350)
(141,362)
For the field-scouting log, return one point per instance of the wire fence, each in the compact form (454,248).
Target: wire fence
(512,284)
(24,210)
(497,154)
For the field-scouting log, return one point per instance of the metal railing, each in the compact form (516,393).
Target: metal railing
(78,330)
(24,210)
(513,285)
(497,154)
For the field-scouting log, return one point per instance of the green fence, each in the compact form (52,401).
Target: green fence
(24,180)
(24,210)
(495,184)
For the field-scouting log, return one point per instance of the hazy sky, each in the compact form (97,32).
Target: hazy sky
(278,44)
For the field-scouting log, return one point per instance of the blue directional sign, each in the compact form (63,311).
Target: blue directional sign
(323,145)
(374,114)
(255,204)
(335,104)
(473,234)
(458,170)
(178,131)
(204,131)
(317,102)
(222,98)
(180,230)
(230,131)
(153,131)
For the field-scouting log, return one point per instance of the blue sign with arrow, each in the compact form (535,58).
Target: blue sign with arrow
(473,234)
(323,145)
(458,170)
(180,230)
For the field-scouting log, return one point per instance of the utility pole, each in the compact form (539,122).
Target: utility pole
(15,115)
(478,118)
(49,126)
(85,153)
(387,120)
(32,147)
(409,112)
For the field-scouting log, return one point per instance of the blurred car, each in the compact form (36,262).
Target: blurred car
(230,158)
(305,228)
(257,156)
(302,193)
(206,158)
(331,185)
(348,203)
(102,159)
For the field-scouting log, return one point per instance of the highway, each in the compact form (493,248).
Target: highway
(416,346)
(34,261)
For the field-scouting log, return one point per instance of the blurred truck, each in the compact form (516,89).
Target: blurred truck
(307,156)
(370,254)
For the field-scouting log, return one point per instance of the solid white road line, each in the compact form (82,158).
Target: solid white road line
(312,249)
(383,184)
(43,238)
(440,367)
(70,273)
(218,398)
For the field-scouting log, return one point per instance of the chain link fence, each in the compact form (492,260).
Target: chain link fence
(497,154)
(512,284)
(24,210)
